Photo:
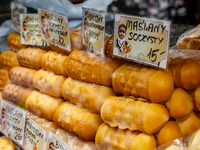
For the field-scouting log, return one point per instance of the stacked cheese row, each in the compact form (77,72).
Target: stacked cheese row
(36,82)
(147,105)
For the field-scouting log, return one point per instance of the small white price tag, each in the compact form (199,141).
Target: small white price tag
(34,135)
(12,121)
(94,29)
(142,39)
(54,143)
(16,9)
(55,29)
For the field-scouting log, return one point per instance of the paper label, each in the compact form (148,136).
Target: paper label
(142,39)
(31,30)
(34,135)
(16,9)
(55,29)
(12,121)
(94,29)
(54,143)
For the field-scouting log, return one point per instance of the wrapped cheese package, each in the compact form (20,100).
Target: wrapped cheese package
(87,67)
(55,62)
(169,132)
(42,105)
(14,41)
(75,39)
(73,141)
(44,123)
(188,124)
(22,76)
(48,82)
(4,77)
(185,73)
(117,139)
(16,94)
(194,140)
(180,104)
(86,95)
(77,120)
(30,57)
(190,39)
(140,81)
(8,59)
(184,54)
(127,113)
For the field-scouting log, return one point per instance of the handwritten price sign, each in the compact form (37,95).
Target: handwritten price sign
(34,135)
(30,30)
(94,29)
(142,39)
(16,10)
(55,29)
(12,121)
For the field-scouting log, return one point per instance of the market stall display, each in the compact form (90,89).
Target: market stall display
(22,76)
(86,95)
(103,102)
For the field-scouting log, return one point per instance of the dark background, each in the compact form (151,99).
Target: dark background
(178,11)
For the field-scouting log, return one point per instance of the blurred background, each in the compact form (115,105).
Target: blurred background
(178,11)
(184,14)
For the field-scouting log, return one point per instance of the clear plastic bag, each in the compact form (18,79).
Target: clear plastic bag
(74,141)
(190,39)
(44,123)
(174,53)
(194,140)
(177,144)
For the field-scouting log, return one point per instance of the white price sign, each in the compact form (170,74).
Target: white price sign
(34,135)
(12,121)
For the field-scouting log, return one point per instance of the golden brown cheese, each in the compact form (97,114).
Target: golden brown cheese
(14,41)
(30,57)
(48,82)
(140,81)
(55,62)
(180,104)
(77,120)
(169,132)
(86,95)
(42,105)
(188,124)
(8,59)
(185,73)
(4,77)
(16,94)
(127,113)
(118,139)
(87,67)
(22,76)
